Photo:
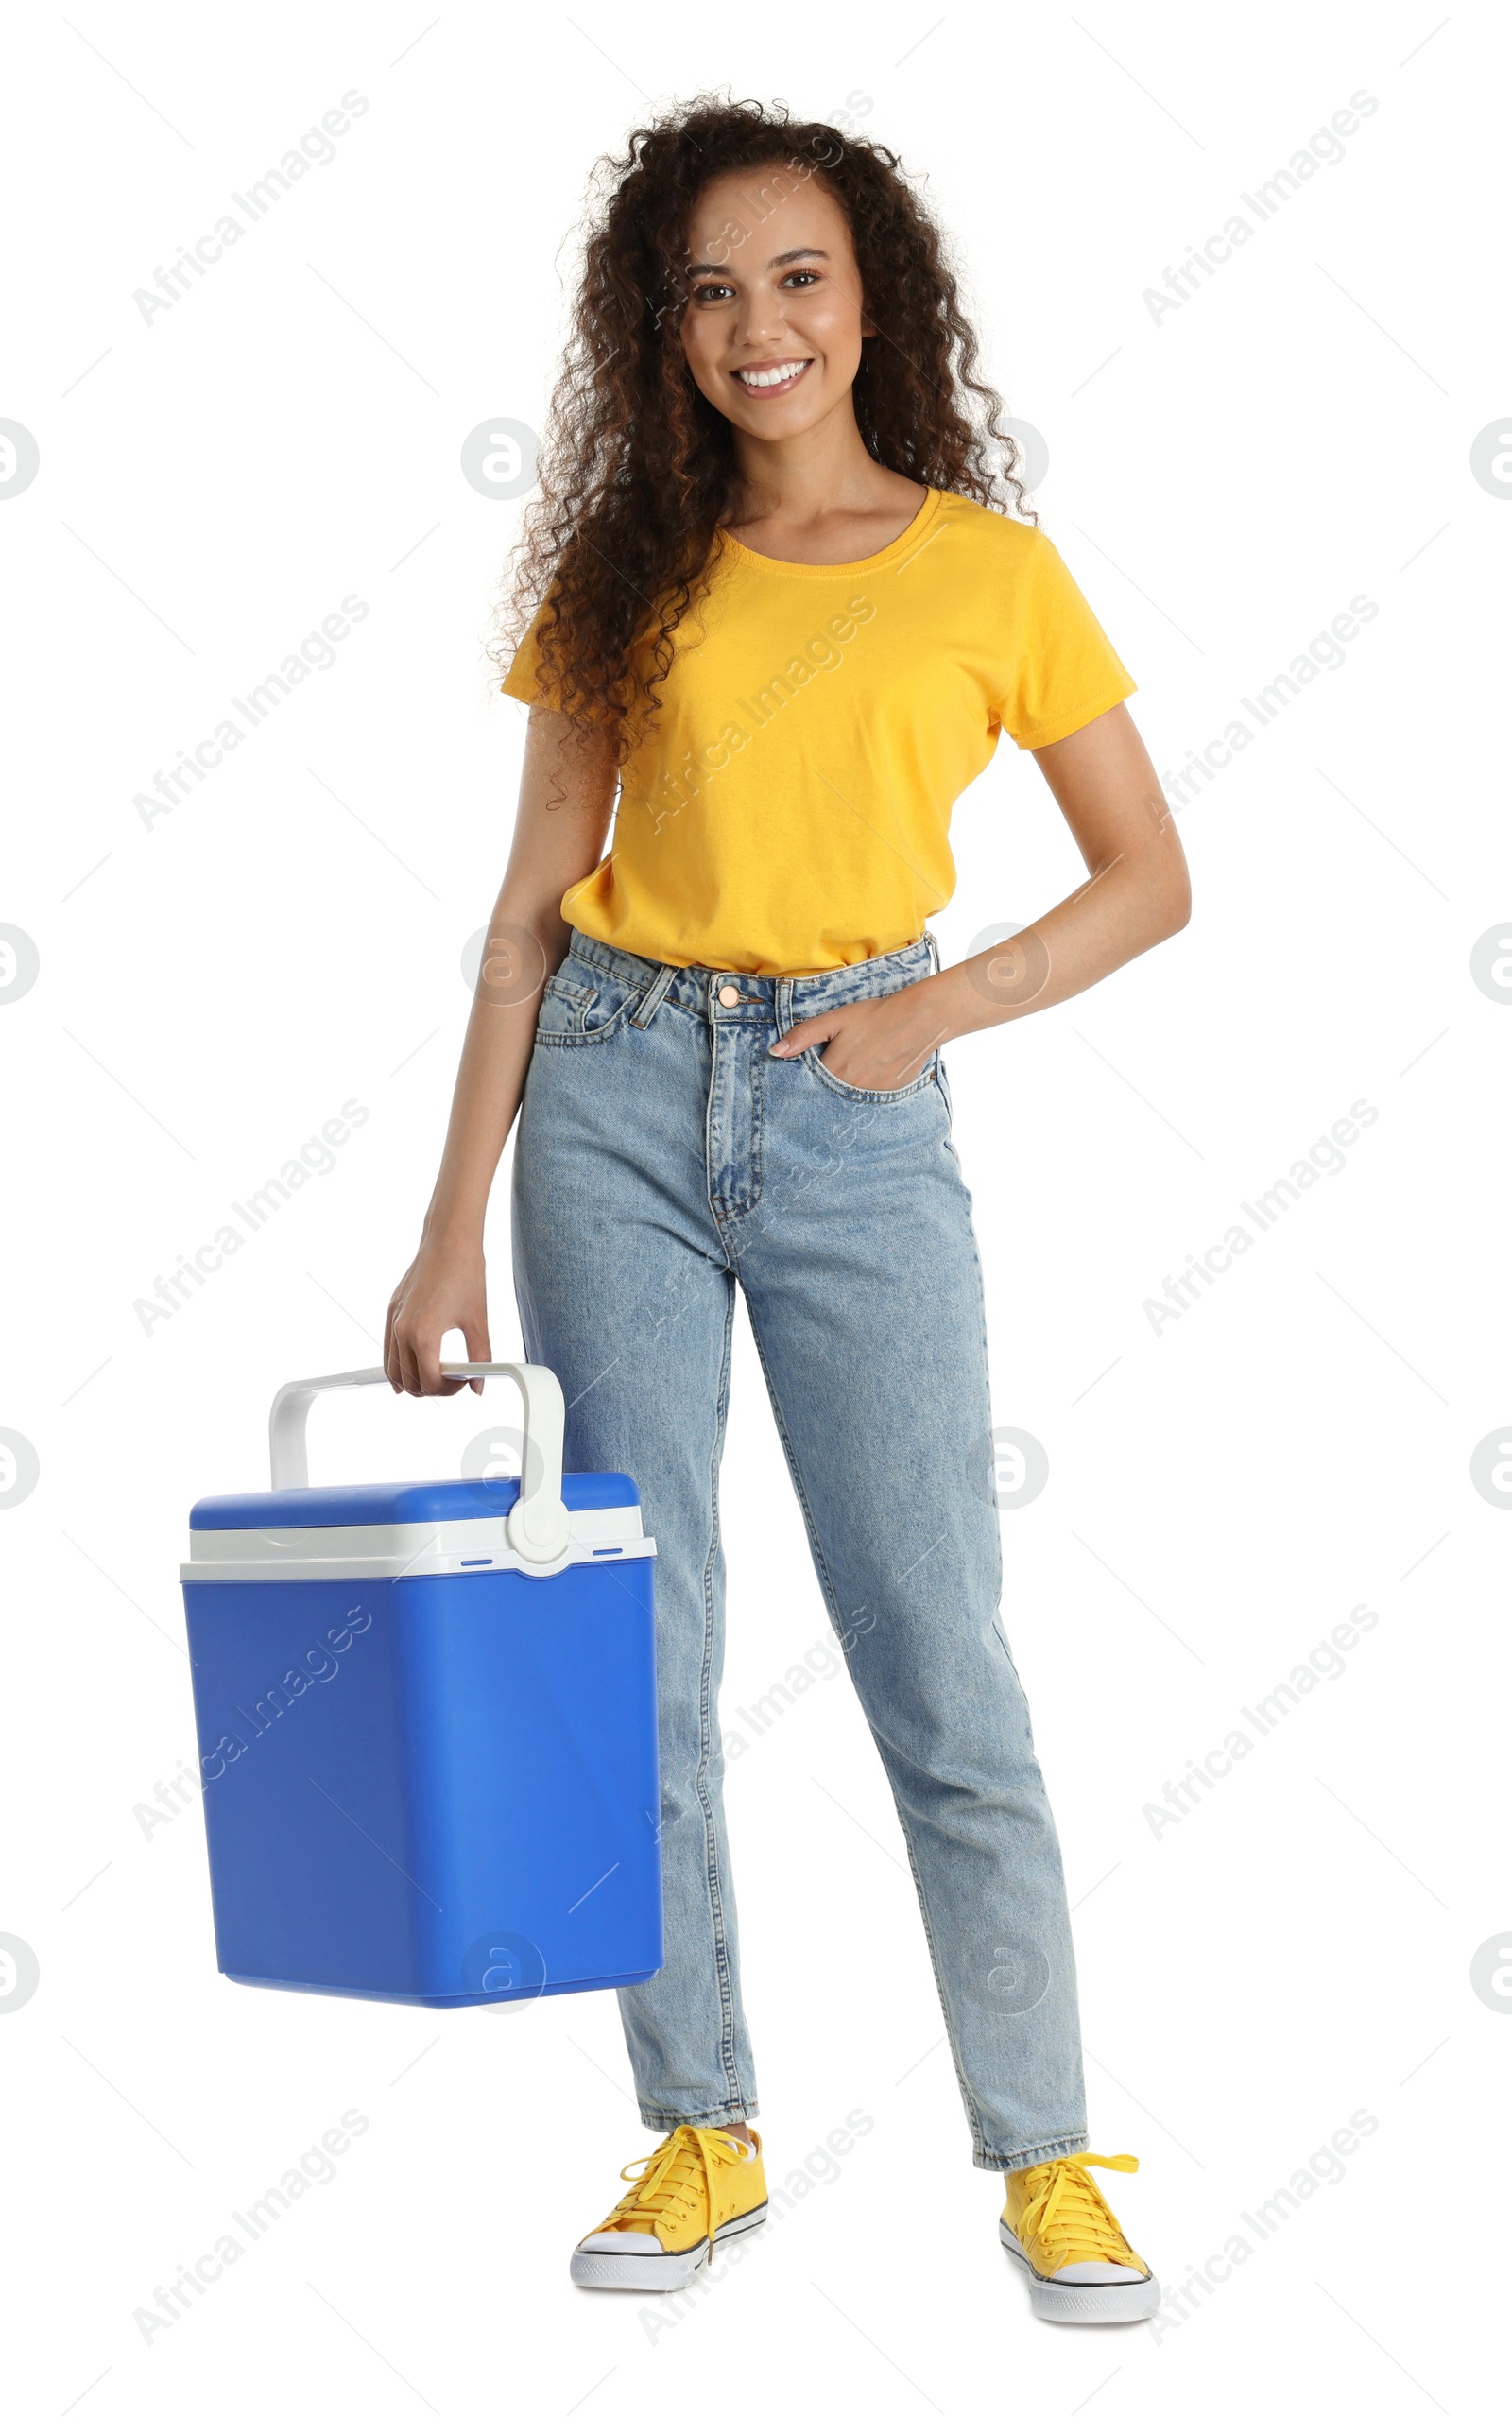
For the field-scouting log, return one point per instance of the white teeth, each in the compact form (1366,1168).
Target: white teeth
(771,379)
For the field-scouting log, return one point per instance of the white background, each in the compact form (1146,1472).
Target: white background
(1221,1493)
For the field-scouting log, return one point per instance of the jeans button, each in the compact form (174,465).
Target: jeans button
(729,995)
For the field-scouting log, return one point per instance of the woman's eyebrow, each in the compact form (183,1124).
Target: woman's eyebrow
(797,253)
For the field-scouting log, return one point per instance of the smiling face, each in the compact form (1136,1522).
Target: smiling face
(773,326)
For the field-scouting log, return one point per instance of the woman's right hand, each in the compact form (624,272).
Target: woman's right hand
(444,1287)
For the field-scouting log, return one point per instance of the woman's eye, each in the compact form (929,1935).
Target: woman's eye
(800,274)
(702,295)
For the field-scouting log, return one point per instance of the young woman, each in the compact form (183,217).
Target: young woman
(781,601)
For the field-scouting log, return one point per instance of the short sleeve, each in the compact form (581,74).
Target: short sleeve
(523,679)
(1063,671)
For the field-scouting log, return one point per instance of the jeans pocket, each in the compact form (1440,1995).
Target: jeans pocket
(613,1003)
(559,1015)
(814,1058)
(582,1012)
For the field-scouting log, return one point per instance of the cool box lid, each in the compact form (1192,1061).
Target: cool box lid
(402,1530)
(370,1500)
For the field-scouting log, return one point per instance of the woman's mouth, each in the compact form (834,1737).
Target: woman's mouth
(773,379)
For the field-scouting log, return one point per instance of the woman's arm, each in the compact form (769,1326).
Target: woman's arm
(1136,895)
(566,796)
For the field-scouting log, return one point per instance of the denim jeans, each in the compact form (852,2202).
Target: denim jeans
(663,1157)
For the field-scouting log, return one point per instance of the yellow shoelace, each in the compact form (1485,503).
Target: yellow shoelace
(673,2178)
(1065,2204)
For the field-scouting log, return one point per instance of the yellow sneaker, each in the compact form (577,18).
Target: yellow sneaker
(700,2188)
(1058,2226)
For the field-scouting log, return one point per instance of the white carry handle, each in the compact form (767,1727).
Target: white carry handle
(537,1527)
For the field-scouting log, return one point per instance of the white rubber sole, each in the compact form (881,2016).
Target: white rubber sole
(1083,2302)
(609,2269)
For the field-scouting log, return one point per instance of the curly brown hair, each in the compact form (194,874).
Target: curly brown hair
(638,471)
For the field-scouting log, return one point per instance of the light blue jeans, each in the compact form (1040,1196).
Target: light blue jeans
(663,1157)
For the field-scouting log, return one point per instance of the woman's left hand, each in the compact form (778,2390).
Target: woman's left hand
(1137,892)
(877,1043)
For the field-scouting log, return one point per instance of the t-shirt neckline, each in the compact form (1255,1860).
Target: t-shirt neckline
(908,539)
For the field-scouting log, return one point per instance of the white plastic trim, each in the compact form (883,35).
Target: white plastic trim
(537,1527)
(402,1549)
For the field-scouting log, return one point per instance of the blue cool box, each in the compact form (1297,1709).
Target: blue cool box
(427,1726)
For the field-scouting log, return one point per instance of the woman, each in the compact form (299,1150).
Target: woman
(782,603)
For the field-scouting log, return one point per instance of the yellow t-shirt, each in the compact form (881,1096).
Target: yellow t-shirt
(790,812)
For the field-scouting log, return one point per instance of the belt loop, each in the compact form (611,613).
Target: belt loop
(654,993)
(934,950)
(785,1007)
